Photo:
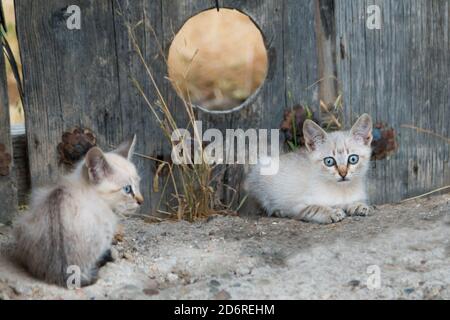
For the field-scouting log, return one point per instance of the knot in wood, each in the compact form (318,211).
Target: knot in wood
(75,144)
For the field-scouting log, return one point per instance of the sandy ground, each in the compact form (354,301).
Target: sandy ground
(269,258)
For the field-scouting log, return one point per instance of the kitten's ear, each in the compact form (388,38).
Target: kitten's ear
(96,165)
(362,129)
(126,148)
(314,135)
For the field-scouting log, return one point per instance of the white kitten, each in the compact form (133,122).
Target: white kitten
(323,182)
(72,223)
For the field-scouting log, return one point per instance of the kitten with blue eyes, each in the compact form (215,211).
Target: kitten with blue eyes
(73,222)
(322,182)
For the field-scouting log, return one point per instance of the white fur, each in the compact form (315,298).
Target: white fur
(74,221)
(303,180)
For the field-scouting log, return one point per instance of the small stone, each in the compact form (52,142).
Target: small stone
(151,284)
(4,296)
(151,292)
(114,254)
(172,277)
(432,292)
(214,283)
(21,290)
(354,283)
(214,290)
(243,271)
(222,295)
(127,256)
(408,290)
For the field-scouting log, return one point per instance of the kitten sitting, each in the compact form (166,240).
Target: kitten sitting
(323,182)
(73,222)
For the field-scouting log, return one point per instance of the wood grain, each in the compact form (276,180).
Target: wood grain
(398,74)
(8,190)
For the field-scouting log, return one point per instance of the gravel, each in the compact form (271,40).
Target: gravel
(402,251)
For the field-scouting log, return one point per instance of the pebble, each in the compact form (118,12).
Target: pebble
(408,290)
(222,295)
(432,292)
(151,292)
(172,277)
(152,284)
(354,283)
(21,289)
(214,290)
(214,283)
(127,256)
(114,254)
(4,296)
(243,271)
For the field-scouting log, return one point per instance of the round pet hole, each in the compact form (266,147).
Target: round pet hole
(218,60)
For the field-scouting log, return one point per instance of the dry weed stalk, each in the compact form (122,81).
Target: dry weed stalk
(332,115)
(193,194)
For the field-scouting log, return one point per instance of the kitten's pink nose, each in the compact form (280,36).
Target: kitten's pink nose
(342,171)
(139,199)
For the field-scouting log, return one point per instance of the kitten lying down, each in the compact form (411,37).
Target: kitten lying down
(72,223)
(323,182)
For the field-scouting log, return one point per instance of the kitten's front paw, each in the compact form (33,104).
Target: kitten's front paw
(322,215)
(336,215)
(359,209)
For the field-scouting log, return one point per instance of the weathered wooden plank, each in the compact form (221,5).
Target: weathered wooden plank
(265,108)
(399,74)
(145,19)
(325,35)
(300,57)
(70,78)
(8,191)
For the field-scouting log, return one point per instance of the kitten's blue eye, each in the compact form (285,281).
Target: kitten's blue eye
(128,189)
(353,159)
(329,162)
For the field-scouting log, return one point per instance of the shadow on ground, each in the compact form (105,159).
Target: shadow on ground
(268,258)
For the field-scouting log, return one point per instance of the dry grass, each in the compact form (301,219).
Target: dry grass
(191,186)
(332,116)
(421,130)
